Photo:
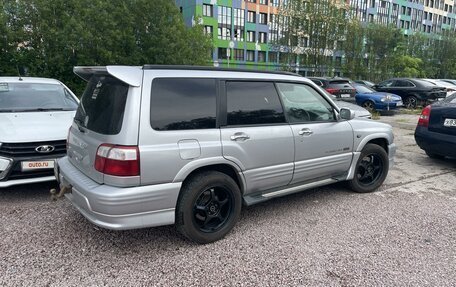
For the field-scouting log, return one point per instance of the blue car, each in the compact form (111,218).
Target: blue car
(376,101)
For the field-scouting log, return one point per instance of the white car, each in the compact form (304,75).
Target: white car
(35,115)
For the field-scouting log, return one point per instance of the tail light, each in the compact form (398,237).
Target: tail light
(117,160)
(332,90)
(424,117)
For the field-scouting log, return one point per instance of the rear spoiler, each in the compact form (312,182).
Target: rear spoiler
(131,75)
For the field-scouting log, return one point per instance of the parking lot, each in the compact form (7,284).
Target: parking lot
(402,235)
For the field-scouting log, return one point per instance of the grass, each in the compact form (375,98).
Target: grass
(375,115)
(410,111)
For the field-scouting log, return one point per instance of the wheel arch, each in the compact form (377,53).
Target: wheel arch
(220,165)
(378,139)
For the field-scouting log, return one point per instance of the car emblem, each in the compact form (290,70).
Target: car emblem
(45,149)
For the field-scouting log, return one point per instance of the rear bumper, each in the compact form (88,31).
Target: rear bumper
(437,143)
(119,207)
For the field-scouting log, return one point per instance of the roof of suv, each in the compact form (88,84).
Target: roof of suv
(132,75)
(210,68)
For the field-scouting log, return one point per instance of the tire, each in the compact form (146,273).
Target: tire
(411,102)
(369,105)
(433,155)
(208,207)
(371,169)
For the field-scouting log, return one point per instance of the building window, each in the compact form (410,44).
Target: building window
(261,56)
(250,36)
(250,56)
(251,16)
(222,53)
(262,37)
(224,33)
(263,18)
(207,10)
(224,23)
(274,3)
(239,35)
(238,54)
(239,17)
(208,30)
(272,57)
(264,2)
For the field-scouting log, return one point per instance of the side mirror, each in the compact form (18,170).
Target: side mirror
(374,87)
(346,114)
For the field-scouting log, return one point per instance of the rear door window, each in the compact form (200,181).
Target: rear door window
(102,105)
(183,104)
(253,103)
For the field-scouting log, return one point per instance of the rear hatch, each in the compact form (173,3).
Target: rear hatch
(443,118)
(108,113)
(341,89)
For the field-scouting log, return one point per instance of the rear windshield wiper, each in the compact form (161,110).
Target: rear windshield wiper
(80,125)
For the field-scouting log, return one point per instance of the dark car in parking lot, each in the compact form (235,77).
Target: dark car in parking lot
(414,92)
(436,129)
(339,87)
(365,83)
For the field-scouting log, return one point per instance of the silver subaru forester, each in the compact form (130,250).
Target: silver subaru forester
(158,145)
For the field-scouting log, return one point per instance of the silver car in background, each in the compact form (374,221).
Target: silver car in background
(159,145)
(35,115)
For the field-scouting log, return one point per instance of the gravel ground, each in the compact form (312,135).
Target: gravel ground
(402,235)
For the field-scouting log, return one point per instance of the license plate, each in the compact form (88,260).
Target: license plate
(37,165)
(345,95)
(449,123)
(399,104)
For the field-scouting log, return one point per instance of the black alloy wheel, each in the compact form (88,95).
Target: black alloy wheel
(208,207)
(371,169)
(212,208)
(411,102)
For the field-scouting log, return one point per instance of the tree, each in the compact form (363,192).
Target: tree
(53,36)
(407,66)
(354,51)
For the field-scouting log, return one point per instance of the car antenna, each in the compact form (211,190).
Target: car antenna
(19,73)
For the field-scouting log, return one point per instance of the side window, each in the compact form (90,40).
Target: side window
(318,82)
(252,103)
(183,104)
(386,84)
(303,104)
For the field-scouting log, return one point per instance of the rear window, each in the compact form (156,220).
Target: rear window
(340,84)
(102,105)
(29,97)
(183,104)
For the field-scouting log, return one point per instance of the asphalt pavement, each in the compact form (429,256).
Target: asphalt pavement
(402,235)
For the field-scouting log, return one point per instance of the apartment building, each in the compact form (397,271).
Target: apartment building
(427,16)
(241,30)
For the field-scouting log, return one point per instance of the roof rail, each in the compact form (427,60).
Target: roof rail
(210,68)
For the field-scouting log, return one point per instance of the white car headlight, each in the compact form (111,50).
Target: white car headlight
(386,98)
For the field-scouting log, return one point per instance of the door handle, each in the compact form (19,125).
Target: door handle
(305,132)
(239,136)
